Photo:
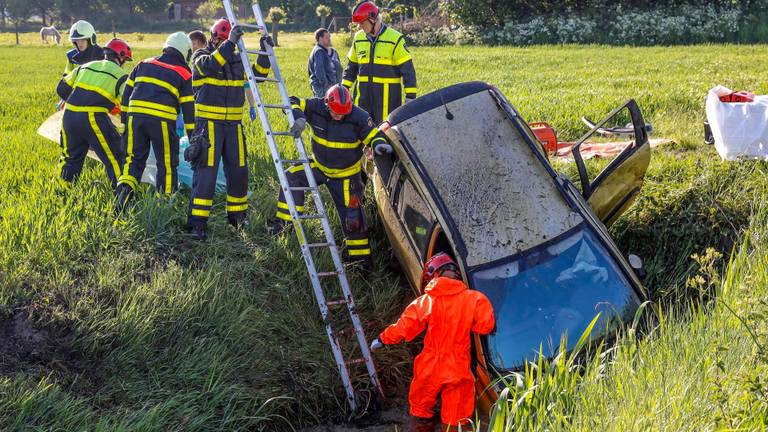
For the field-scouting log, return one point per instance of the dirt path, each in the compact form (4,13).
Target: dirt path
(391,420)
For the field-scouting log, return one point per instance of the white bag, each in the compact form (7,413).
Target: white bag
(740,129)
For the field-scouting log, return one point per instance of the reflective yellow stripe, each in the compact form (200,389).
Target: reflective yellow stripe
(203,213)
(340,173)
(156,106)
(129,180)
(371,134)
(411,89)
(400,61)
(202,202)
(104,145)
(129,150)
(160,83)
(152,112)
(219,58)
(217,109)
(335,144)
(217,82)
(222,117)
(358,252)
(384,61)
(110,97)
(346,192)
(185,99)
(260,69)
(65,154)
(167,159)
(379,80)
(363,242)
(347,83)
(385,104)
(237,200)
(88,109)
(212,142)
(236,208)
(284,206)
(189,126)
(129,82)
(283,216)
(240,145)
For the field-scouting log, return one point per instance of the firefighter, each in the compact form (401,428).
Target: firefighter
(91,92)
(450,312)
(156,90)
(83,37)
(218,76)
(339,132)
(379,63)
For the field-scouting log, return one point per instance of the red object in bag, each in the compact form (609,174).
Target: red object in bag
(739,96)
(546,134)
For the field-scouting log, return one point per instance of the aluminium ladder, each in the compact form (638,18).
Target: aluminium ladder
(306,247)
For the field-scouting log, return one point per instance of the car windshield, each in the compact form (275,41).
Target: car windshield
(553,291)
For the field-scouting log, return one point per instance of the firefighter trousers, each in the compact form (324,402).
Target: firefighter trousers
(141,133)
(82,131)
(226,142)
(347,194)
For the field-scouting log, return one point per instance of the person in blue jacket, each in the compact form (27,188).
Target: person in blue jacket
(324,65)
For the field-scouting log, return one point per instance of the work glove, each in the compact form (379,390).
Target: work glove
(197,151)
(252,112)
(298,127)
(266,40)
(376,344)
(382,148)
(235,34)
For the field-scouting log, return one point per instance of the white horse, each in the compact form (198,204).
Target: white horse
(51,32)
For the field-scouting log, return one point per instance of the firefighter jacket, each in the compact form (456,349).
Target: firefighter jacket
(383,70)
(93,87)
(218,77)
(76,58)
(337,145)
(160,87)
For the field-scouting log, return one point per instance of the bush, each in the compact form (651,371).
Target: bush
(431,36)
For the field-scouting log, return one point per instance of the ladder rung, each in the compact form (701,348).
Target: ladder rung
(311,216)
(327,274)
(266,79)
(356,361)
(318,245)
(277,106)
(303,189)
(253,26)
(282,134)
(336,302)
(294,161)
(257,52)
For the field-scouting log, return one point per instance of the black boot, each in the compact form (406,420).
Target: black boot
(198,233)
(276,227)
(238,221)
(420,424)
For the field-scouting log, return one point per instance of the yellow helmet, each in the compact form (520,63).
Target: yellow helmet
(82,30)
(181,43)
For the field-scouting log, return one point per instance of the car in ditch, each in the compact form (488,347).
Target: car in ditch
(468,177)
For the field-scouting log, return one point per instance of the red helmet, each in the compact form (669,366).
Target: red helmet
(364,11)
(433,267)
(338,100)
(121,49)
(220,29)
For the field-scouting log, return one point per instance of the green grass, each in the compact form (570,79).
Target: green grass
(141,329)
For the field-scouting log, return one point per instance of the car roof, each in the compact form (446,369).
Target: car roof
(492,186)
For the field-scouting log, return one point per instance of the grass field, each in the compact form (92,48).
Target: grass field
(129,325)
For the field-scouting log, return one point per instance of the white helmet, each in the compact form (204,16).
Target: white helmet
(181,43)
(82,30)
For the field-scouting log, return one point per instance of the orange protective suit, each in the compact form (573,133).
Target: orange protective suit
(449,311)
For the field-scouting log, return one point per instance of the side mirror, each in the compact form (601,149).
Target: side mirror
(637,265)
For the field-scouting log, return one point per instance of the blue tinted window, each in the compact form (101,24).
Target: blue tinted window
(553,291)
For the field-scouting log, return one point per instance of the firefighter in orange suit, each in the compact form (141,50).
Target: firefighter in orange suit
(450,312)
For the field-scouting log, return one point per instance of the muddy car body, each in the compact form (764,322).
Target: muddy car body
(468,177)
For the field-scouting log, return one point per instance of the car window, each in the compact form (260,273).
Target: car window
(414,214)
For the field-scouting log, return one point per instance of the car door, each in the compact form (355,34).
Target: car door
(616,188)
